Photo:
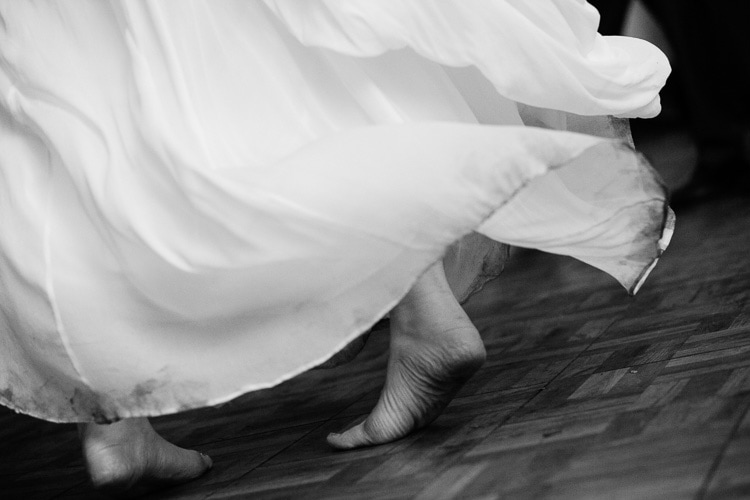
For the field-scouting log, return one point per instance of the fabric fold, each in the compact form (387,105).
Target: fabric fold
(213,197)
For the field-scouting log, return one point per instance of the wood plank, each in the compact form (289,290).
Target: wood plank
(587,393)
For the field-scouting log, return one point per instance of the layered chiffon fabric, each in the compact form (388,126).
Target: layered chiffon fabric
(204,198)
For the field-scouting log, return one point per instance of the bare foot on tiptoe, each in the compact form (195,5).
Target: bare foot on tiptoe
(128,458)
(434,350)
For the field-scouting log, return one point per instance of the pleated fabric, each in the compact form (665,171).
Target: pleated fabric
(204,198)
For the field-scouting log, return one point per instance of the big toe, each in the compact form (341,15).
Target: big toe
(354,437)
(176,465)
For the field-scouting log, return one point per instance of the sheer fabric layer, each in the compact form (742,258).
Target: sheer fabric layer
(202,199)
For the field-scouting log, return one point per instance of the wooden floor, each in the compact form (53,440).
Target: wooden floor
(587,393)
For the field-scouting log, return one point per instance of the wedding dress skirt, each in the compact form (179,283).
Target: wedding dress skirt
(204,198)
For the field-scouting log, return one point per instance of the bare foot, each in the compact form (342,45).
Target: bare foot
(434,350)
(128,458)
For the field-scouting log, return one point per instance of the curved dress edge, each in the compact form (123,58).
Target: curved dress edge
(667,227)
(221,400)
(666,237)
(88,97)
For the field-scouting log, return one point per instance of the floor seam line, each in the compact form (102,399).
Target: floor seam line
(703,490)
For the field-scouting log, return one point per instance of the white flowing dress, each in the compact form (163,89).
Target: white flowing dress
(204,198)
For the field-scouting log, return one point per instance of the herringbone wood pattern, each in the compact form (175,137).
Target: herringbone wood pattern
(587,393)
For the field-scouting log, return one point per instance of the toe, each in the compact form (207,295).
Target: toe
(207,462)
(354,437)
(176,465)
(194,464)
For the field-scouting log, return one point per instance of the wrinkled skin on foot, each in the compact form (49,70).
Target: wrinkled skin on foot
(434,350)
(128,459)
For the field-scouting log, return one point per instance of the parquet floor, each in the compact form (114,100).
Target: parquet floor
(587,393)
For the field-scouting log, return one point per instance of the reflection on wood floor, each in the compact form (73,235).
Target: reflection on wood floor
(587,393)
